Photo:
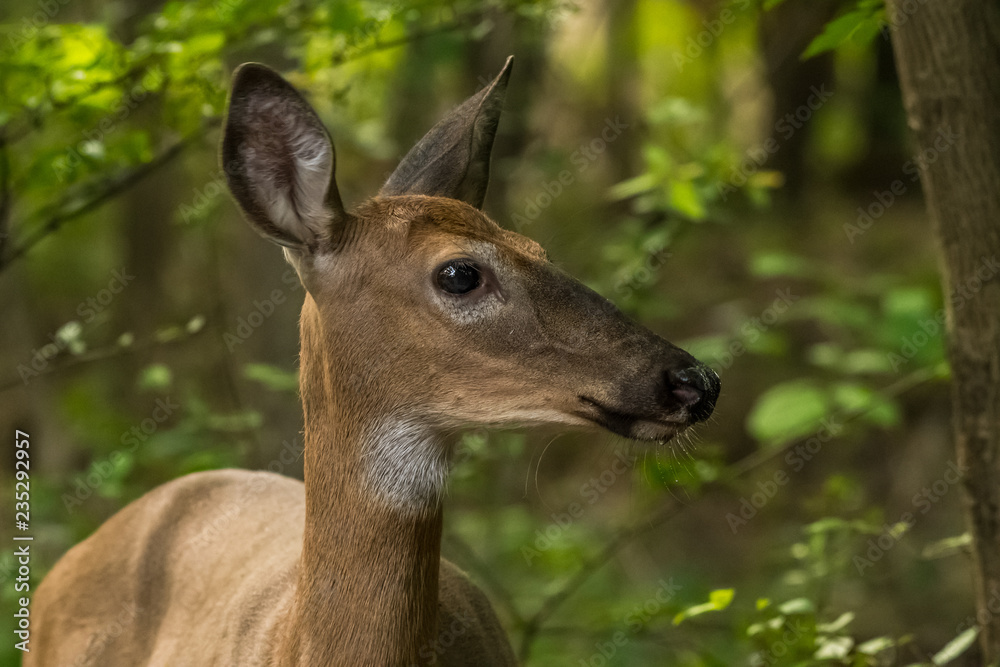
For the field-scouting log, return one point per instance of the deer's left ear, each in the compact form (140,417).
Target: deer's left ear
(453,159)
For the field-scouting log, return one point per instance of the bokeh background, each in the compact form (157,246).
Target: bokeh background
(736,175)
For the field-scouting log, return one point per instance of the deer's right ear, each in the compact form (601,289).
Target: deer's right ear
(279,161)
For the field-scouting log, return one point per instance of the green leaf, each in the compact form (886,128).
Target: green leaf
(684,198)
(873,407)
(155,377)
(908,302)
(859,25)
(788,411)
(195,324)
(633,186)
(956,646)
(947,547)
(865,362)
(797,606)
(836,626)
(834,648)
(774,264)
(717,601)
(722,597)
(876,646)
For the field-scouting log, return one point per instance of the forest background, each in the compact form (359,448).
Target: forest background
(736,175)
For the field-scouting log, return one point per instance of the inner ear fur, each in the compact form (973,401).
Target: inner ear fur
(279,160)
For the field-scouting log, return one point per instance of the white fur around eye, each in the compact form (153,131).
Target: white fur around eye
(465,310)
(469,312)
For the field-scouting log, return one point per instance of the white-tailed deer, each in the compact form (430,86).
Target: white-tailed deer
(421,315)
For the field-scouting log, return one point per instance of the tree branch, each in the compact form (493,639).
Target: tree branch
(116,185)
(99,354)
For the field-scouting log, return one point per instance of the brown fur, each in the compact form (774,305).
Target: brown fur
(153,587)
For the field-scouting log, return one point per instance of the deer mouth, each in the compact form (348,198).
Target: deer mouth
(631,425)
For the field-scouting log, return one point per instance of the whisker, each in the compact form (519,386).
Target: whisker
(538,467)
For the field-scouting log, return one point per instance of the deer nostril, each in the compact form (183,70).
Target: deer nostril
(687,385)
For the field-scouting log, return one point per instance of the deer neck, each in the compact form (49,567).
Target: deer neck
(367,590)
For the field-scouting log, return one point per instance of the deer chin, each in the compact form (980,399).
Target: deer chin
(658,428)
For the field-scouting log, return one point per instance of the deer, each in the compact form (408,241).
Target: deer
(421,316)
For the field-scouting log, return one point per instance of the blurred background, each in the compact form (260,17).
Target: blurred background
(736,175)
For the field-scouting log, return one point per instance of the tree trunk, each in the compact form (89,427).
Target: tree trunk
(948,54)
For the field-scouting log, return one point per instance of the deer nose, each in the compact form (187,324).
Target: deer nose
(695,388)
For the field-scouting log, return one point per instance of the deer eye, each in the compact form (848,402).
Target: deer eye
(459,277)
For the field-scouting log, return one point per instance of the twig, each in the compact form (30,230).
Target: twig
(99,354)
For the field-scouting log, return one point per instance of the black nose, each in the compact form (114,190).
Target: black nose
(695,388)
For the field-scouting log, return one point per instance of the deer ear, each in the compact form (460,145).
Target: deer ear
(279,160)
(453,159)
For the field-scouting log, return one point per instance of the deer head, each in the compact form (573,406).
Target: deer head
(422,314)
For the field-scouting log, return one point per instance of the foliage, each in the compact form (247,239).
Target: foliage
(827,320)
